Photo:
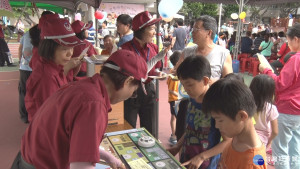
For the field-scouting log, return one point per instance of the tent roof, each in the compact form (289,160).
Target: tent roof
(68,4)
(50,7)
(247,2)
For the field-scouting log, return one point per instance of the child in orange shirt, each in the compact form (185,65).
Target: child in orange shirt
(232,105)
(173,96)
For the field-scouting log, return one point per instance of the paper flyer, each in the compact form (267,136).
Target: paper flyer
(139,164)
(83,53)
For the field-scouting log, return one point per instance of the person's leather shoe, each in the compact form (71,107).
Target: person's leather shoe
(11,65)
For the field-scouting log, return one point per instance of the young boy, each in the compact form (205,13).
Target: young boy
(200,144)
(68,128)
(231,104)
(173,96)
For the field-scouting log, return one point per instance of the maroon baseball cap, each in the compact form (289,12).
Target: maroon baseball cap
(78,26)
(46,17)
(129,63)
(142,20)
(60,31)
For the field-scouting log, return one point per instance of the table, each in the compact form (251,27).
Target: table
(118,127)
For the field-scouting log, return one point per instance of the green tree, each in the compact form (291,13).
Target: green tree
(196,9)
(210,9)
(229,9)
(24,14)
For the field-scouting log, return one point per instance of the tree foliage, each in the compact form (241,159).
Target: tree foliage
(196,9)
(229,9)
(24,14)
(210,9)
(288,8)
(257,12)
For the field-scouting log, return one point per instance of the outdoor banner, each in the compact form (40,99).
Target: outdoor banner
(118,8)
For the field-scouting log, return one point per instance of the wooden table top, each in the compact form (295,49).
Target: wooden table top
(118,127)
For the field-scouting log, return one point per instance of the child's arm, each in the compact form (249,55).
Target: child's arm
(196,161)
(176,148)
(173,92)
(274,126)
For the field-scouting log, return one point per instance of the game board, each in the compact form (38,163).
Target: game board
(124,145)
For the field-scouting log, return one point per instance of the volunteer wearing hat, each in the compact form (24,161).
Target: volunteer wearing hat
(55,49)
(69,127)
(143,26)
(81,31)
(35,54)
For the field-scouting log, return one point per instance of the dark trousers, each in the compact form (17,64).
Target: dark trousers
(3,54)
(144,106)
(24,75)
(181,118)
(276,64)
(19,163)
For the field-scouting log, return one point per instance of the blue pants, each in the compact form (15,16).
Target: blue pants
(286,146)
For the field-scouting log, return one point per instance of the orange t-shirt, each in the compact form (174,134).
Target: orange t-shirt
(232,159)
(173,86)
(105,52)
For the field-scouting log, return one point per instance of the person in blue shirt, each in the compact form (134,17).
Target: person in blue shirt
(25,54)
(124,29)
(247,43)
(216,39)
(91,34)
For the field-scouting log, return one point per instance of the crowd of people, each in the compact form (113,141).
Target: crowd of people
(221,123)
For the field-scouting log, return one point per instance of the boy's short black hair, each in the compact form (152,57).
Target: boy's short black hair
(228,97)
(235,76)
(47,48)
(117,77)
(175,57)
(194,67)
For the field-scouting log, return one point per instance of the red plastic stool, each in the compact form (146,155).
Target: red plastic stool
(252,59)
(254,67)
(243,55)
(245,62)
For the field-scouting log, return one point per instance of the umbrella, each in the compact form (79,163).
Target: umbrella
(5,9)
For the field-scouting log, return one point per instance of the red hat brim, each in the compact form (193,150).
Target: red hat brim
(154,21)
(69,41)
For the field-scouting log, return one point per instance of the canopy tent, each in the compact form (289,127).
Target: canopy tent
(50,7)
(248,2)
(179,16)
(68,4)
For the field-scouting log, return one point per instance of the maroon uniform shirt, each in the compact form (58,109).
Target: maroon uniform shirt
(46,79)
(69,127)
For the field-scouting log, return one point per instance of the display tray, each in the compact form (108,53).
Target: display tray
(124,146)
